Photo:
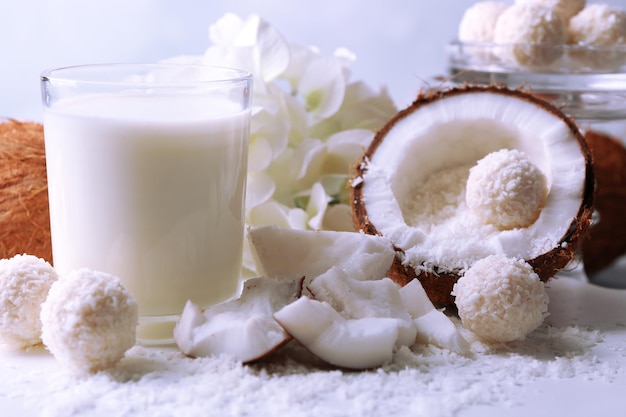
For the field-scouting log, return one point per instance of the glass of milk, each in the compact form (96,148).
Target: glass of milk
(146,179)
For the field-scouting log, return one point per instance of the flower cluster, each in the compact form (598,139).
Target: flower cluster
(309,124)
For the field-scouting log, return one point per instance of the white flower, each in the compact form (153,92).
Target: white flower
(345,148)
(323,86)
(362,108)
(251,44)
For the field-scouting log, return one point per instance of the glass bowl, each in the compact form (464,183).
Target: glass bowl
(589,83)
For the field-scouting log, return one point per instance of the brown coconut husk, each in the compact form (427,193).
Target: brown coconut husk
(438,284)
(607,237)
(24,215)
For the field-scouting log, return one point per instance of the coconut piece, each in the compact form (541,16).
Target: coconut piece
(506,189)
(291,254)
(565,8)
(415,299)
(607,236)
(24,218)
(436,328)
(24,284)
(244,327)
(355,344)
(417,318)
(355,299)
(89,320)
(479,20)
(501,299)
(410,185)
(527,34)
(431,325)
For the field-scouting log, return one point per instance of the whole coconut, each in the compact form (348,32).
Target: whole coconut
(607,237)
(24,216)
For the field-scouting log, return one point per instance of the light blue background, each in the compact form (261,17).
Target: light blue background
(398,43)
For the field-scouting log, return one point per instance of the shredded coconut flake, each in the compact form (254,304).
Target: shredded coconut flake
(438,199)
(423,381)
(355,182)
(437,206)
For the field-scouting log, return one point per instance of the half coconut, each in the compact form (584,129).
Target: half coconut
(410,185)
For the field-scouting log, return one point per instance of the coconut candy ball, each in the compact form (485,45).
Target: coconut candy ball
(501,299)
(479,21)
(565,8)
(530,34)
(598,25)
(89,320)
(24,284)
(506,189)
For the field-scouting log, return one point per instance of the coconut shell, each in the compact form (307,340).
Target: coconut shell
(24,215)
(607,236)
(438,284)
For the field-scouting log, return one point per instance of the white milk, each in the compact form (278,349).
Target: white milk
(149,189)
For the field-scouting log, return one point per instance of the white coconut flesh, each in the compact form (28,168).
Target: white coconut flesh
(290,254)
(355,299)
(413,184)
(349,343)
(243,328)
(350,315)
(432,326)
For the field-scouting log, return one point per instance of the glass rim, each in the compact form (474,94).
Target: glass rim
(68,74)
(456,43)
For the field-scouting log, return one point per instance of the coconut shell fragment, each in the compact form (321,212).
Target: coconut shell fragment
(414,132)
(607,236)
(24,216)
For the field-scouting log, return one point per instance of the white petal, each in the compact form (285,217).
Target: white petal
(318,202)
(283,178)
(248,32)
(297,219)
(345,149)
(249,267)
(323,86)
(361,137)
(301,56)
(346,56)
(338,217)
(362,108)
(273,51)
(308,160)
(336,186)
(260,154)
(260,188)
(269,213)
(225,30)
(242,58)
